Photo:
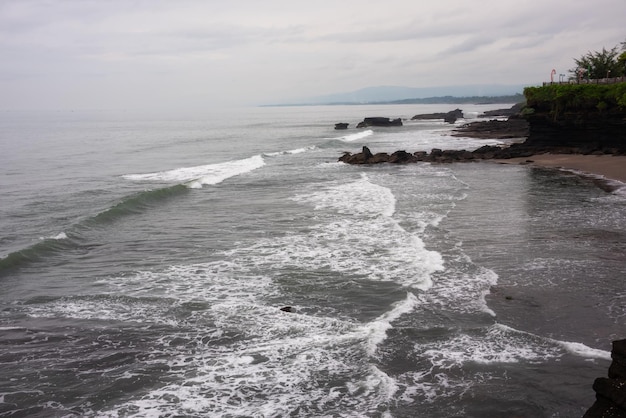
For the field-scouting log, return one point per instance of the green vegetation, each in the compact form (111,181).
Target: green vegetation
(601,64)
(558,98)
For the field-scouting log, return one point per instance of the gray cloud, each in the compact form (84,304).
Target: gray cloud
(249,51)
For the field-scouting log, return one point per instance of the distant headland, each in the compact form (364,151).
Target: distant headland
(380,95)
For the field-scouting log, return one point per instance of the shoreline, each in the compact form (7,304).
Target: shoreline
(604,167)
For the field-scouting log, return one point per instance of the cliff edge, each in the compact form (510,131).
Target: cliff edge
(590,118)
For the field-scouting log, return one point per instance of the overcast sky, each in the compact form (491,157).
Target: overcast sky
(73,54)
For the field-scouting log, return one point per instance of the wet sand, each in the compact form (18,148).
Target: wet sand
(609,166)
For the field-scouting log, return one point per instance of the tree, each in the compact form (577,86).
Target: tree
(621,63)
(621,60)
(599,64)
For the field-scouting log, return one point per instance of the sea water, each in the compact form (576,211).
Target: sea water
(145,259)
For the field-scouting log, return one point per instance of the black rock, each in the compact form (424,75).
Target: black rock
(379,121)
(449,117)
(611,391)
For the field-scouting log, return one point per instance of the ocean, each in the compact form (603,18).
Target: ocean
(224,264)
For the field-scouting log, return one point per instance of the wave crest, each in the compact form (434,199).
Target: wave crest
(197,176)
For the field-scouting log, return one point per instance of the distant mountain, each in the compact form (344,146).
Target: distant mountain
(381,94)
(510,98)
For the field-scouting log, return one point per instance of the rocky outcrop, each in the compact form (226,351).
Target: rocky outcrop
(379,121)
(449,117)
(437,155)
(611,391)
(511,111)
(588,131)
(341,125)
(494,129)
(589,117)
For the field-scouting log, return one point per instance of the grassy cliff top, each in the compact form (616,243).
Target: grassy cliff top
(577,97)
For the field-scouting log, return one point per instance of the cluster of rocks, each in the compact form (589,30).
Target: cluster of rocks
(436,155)
(540,137)
(449,117)
(372,121)
(513,127)
(611,392)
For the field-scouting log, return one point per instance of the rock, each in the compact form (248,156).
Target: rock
(611,391)
(287,309)
(364,157)
(584,130)
(341,125)
(618,366)
(449,117)
(421,155)
(452,116)
(494,129)
(585,119)
(381,157)
(379,121)
(402,157)
(514,111)
(437,155)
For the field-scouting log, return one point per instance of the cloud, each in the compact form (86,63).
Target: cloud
(248,51)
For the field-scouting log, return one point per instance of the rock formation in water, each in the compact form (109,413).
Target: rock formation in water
(379,121)
(611,392)
(436,155)
(449,117)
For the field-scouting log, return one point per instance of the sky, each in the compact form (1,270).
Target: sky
(117,54)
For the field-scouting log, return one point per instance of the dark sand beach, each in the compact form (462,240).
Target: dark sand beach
(612,167)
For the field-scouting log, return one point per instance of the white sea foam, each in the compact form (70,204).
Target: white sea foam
(258,348)
(495,344)
(462,286)
(371,244)
(584,351)
(290,152)
(59,236)
(107,309)
(377,329)
(481,346)
(208,174)
(286,356)
(356,136)
(501,344)
(283,354)
(360,197)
